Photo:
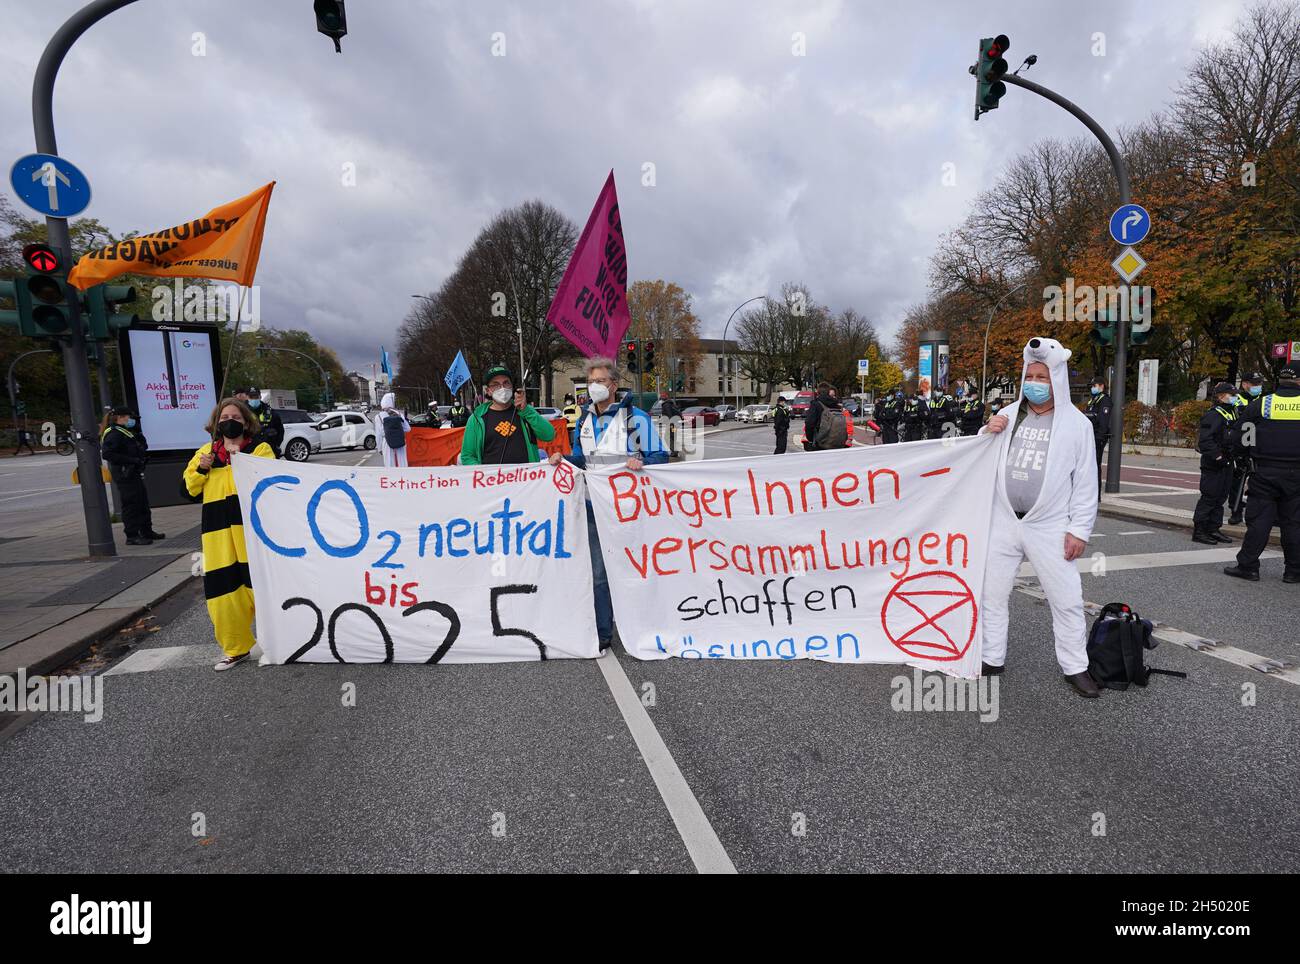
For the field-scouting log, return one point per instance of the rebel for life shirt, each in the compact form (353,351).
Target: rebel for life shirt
(1027,459)
(503,438)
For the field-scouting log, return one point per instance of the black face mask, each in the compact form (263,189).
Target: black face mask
(231,428)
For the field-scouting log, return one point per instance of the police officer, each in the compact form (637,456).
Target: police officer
(890,414)
(1098,412)
(970,411)
(459,414)
(916,416)
(126,451)
(781,423)
(1269,428)
(1214,442)
(1252,384)
(943,414)
(271,429)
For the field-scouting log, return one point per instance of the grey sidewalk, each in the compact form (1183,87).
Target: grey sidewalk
(55,601)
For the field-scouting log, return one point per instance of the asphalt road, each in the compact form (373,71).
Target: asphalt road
(798,766)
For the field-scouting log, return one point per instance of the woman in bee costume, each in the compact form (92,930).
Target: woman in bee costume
(226,582)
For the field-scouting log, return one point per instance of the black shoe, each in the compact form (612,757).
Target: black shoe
(1234,520)
(606,643)
(1250,574)
(988,670)
(1217,535)
(139,541)
(1084,685)
(155,536)
(1204,538)
(1291,577)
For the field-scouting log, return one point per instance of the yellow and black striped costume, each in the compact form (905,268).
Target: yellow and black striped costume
(226,583)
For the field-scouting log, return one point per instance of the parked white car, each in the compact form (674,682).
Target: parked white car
(346,430)
(301,440)
(755,413)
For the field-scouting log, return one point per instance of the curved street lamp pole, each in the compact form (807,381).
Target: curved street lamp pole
(325,376)
(984,373)
(724,345)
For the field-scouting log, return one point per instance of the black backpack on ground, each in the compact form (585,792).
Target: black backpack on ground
(1115,648)
(394,434)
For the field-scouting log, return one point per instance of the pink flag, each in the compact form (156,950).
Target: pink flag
(590,306)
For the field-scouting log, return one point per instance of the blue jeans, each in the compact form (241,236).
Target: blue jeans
(600,582)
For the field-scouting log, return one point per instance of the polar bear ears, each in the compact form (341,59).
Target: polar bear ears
(1049,351)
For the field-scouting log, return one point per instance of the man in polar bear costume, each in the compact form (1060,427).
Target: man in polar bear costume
(1044,507)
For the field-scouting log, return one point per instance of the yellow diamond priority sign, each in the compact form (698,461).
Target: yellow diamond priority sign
(1128,265)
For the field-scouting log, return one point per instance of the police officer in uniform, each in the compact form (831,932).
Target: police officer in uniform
(126,451)
(1098,412)
(271,429)
(1214,442)
(916,416)
(943,415)
(890,414)
(781,424)
(1252,384)
(970,411)
(1274,428)
(459,414)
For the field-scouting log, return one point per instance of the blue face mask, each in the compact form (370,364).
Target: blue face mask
(1095,390)
(1255,390)
(254,403)
(1037,392)
(130,423)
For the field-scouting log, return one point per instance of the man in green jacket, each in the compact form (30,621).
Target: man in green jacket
(505,429)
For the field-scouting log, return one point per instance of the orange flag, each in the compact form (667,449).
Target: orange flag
(223,245)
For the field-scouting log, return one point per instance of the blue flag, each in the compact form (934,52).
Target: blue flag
(458,374)
(383,359)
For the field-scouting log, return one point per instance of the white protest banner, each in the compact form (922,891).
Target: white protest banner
(873,554)
(455,564)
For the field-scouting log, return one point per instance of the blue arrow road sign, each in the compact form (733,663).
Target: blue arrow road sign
(1130,224)
(50,185)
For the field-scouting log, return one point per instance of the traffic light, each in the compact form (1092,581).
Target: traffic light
(648,357)
(332,21)
(1103,327)
(45,301)
(630,348)
(101,306)
(988,73)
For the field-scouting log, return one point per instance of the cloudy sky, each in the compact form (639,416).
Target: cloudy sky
(825,167)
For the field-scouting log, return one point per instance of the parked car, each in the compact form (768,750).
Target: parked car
(755,413)
(700,415)
(681,401)
(799,405)
(726,413)
(301,440)
(346,430)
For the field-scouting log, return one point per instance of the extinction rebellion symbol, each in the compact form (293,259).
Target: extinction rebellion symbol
(563,477)
(931,615)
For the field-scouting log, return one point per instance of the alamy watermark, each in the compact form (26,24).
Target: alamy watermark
(53,694)
(940,693)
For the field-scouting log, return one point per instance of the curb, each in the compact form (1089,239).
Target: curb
(1171,521)
(59,645)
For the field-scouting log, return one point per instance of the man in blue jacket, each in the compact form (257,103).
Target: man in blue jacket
(609,432)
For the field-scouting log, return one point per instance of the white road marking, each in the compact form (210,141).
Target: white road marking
(1154,560)
(697,833)
(1138,532)
(1149,468)
(165,657)
(36,492)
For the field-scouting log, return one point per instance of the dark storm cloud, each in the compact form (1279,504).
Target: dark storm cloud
(824,168)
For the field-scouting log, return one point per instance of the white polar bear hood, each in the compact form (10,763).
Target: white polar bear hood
(1068,501)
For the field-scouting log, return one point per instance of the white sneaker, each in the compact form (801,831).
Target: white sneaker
(229,662)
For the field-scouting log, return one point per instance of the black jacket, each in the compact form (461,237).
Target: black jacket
(1213,439)
(1098,412)
(272,429)
(781,420)
(126,451)
(1276,439)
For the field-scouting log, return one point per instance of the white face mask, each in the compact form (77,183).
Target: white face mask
(598,392)
(502,396)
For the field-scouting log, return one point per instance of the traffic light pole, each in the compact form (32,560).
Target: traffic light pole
(1121,328)
(94,501)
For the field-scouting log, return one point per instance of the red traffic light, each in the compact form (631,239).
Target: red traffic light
(41,257)
(999,46)
(631,346)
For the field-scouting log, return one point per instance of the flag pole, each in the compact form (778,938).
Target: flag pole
(239,313)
